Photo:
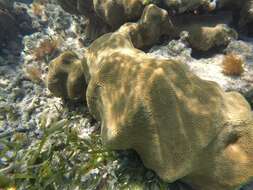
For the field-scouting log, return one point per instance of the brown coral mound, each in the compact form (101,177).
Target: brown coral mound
(65,77)
(233,64)
(182,127)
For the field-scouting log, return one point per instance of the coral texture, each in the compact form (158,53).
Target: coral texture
(181,126)
(14,22)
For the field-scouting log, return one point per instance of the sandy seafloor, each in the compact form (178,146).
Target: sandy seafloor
(26,104)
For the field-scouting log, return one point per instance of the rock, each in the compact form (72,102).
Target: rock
(243,11)
(246,19)
(14,47)
(182,127)
(14,23)
(185,5)
(6,4)
(2,62)
(23,19)
(9,28)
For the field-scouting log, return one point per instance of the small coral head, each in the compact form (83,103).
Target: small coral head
(233,64)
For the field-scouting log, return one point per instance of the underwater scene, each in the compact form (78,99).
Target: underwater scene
(126,95)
